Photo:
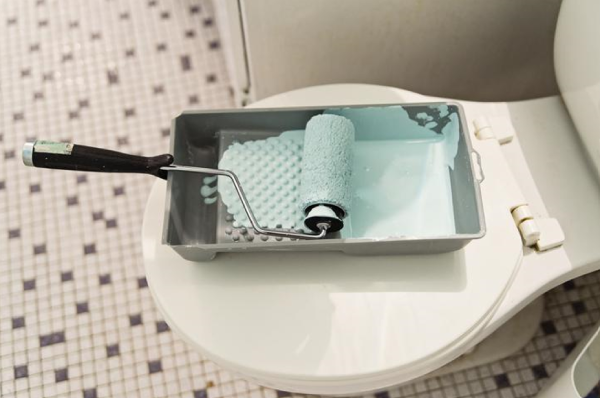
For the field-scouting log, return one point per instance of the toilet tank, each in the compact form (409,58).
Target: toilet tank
(577,65)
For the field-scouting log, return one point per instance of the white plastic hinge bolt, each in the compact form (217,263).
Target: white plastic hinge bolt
(483,129)
(551,235)
(530,232)
(497,127)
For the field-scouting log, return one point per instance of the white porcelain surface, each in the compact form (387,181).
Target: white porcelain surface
(306,318)
(577,65)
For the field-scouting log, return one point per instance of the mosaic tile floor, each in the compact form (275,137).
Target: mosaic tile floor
(76,317)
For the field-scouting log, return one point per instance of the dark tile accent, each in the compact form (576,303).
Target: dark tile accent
(161,47)
(2,185)
(61,375)
(25,72)
(84,103)
(14,233)
(142,282)
(43,23)
(38,96)
(539,371)
(18,322)
(152,3)
(10,154)
(112,350)
(39,249)
(117,191)
(48,76)
(21,371)
(67,57)
(129,112)
(208,22)
(161,326)
(73,24)
(124,16)
(214,44)
(165,15)
(548,327)
(154,366)
(579,307)
(34,47)
(18,116)
(160,89)
(186,62)
(66,276)
(29,284)
(90,393)
(135,320)
(382,394)
(89,249)
(165,132)
(200,393)
(191,33)
(193,99)
(82,308)
(211,78)
(105,279)
(112,76)
(81,178)
(52,338)
(95,36)
(130,52)
(111,223)
(72,200)
(569,347)
(502,380)
(569,285)
(195,9)
(283,394)
(11,21)
(34,188)
(97,215)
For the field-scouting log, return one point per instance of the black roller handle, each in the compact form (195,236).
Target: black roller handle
(66,156)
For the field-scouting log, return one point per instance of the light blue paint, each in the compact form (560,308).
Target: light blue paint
(400,175)
(327,160)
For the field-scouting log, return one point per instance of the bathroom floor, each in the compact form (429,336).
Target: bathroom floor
(76,316)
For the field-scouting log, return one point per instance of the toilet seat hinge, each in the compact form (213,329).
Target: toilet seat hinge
(498,127)
(539,233)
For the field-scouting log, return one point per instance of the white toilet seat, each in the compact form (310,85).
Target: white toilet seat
(322,328)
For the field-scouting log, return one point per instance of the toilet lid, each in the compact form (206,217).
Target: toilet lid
(330,317)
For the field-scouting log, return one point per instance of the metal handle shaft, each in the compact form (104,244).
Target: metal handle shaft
(246,205)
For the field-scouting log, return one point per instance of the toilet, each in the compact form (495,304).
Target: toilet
(329,323)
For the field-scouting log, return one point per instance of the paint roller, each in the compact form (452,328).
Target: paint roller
(325,190)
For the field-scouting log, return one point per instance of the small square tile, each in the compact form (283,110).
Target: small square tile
(161,326)
(39,249)
(142,282)
(29,284)
(18,322)
(90,393)
(66,276)
(154,366)
(21,371)
(105,279)
(135,320)
(111,223)
(502,381)
(112,350)
(82,307)
(89,249)
(14,233)
(61,375)
(200,393)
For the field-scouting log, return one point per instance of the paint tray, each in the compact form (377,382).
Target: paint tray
(413,177)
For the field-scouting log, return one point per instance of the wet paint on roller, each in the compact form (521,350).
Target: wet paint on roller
(327,160)
(400,174)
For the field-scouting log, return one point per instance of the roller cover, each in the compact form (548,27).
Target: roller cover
(327,158)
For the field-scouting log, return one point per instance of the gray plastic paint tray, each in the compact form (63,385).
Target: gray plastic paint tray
(414,180)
